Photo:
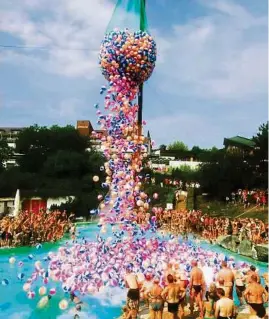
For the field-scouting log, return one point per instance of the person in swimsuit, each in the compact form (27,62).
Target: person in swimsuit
(255,296)
(212,291)
(225,308)
(155,300)
(228,276)
(126,313)
(252,271)
(174,295)
(197,285)
(146,286)
(209,306)
(133,295)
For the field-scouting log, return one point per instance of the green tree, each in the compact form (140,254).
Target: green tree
(229,173)
(37,143)
(66,164)
(162,147)
(56,162)
(177,146)
(260,156)
(5,152)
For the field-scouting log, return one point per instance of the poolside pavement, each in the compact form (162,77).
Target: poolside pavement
(244,313)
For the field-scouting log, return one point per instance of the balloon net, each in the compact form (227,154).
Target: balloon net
(129,14)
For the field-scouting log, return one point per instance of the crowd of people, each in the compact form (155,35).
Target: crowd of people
(210,228)
(30,228)
(182,293)
(248,197)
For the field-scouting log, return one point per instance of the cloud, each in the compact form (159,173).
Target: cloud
(69,30)
(184,127)
(211,68)
(70,109)
(222,55)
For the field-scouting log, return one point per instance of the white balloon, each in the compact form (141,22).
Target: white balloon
(96,178)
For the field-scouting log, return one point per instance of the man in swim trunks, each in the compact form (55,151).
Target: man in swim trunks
(252,271)
(174,295)
(133,295)
(169,270)
(255,296)
(228,276)
(225,308)
(197,287)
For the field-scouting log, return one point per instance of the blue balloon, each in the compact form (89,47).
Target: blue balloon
(4,282)
(20,276)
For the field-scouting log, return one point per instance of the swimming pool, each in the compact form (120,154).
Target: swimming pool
(14,303)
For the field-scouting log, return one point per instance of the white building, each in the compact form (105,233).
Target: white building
(10,134)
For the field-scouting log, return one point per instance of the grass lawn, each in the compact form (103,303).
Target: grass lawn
(216,208)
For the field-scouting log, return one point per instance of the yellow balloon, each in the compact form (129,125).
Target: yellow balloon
(42,291)
(63,304)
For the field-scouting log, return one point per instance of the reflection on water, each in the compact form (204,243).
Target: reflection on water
(14,303)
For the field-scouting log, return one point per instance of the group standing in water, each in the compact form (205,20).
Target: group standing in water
(214,300)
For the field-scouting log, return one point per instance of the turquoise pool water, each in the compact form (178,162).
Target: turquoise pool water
(14,303)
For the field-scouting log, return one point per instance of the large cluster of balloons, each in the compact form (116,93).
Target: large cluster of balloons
(128,55)
(126,60)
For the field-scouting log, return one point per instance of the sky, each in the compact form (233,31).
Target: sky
(210,79)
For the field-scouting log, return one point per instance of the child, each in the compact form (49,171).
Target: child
(127,314)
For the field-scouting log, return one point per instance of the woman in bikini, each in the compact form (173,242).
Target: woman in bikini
(209,306)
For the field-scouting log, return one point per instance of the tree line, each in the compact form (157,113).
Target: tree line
(53,162)
(58,161)
(222,171)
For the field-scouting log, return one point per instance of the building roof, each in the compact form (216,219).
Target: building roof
(10,129)
(239,140)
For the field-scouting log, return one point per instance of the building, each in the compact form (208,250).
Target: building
(10,134)
(85,128)
(164,160)
(239,144)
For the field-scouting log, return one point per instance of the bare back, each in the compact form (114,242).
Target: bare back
(227,275)
(156,292)
(225,307)
(255,293)
(131,281)
(172,293)
(197,276)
